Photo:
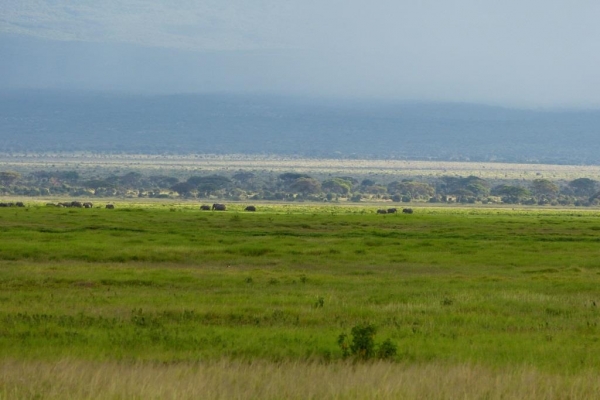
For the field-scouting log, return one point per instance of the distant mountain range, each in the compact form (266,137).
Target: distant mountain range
(43,121)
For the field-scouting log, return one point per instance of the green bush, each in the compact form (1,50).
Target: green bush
(387,350)
(363,341)
(363,345)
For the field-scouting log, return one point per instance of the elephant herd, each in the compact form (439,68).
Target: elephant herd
(215,207)
(77,204)
(394,211)
(223,207)
(17,204)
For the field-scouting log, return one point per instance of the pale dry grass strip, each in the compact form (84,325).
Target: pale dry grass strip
(73,379)
(215,163)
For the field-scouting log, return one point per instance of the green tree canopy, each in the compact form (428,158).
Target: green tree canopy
(469,186)
(337,185)
(130,179)
(183,188)
(306,186)
(415,190)
(583,186)
(544,188)
(367,182)
(162,181)
(216,180)
(8,177)
(69,176)
(243,176)
(510,193)
(292,176)
(98,183)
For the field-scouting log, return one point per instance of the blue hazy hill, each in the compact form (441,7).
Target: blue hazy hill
(45,120)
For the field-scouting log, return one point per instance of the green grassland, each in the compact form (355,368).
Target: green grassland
(496,288)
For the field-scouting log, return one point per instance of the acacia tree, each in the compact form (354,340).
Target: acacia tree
(290,177)
(544,189)
(9,177)
(306,186)
(207,185)
(161,181)
(130,179)
(510,194)
(411,189)
(337,185)
(583,186)
(471,186)
(245,180)
(183,188)
(369,186)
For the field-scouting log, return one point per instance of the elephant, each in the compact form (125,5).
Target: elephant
(392,210)
(250,208)
(87,205)
(205,207)
(381,211)
(407,210)
(219,207)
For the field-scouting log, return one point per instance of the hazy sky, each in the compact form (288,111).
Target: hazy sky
(530,53)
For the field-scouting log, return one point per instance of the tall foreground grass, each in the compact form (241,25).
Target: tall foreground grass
(483,301)
(227,379)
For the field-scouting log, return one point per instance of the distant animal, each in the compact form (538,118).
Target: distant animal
(76,204)
(250,208)
(392,210)
(110,206)
(87,205)
(407,210)
(205,208)
(219,207)
(381,211)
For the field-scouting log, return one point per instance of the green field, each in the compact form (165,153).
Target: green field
(507,297)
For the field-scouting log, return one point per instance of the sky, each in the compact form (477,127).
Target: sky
(534,53)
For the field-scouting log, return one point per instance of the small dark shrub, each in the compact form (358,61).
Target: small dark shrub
(341,341)
(387,350)
(363,341)
(363,345)
(320,302)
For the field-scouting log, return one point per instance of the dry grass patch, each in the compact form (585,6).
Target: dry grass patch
(225,379)
(186,164)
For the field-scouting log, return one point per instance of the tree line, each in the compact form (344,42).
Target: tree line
(292,186)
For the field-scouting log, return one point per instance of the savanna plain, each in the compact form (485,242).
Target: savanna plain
(163,300)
